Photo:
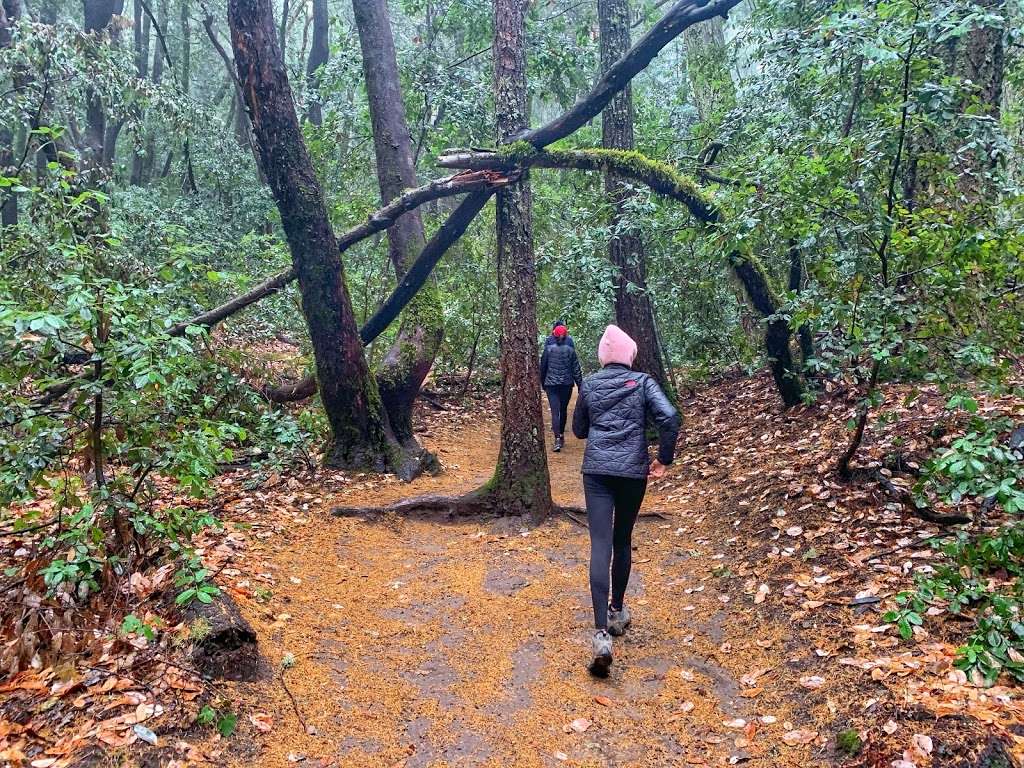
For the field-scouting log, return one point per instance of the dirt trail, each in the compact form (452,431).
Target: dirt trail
(425,643)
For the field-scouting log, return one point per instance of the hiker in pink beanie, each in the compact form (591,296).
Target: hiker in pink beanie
(611,415)
(616,346)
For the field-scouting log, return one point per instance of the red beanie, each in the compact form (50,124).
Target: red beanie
(559,331)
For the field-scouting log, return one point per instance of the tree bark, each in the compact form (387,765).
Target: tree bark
(407,363)
(97,15)
(10,12)
(319,54)
(360,437)
(141,30)
(633,310)
(978,60)
(796,278)
(521,484)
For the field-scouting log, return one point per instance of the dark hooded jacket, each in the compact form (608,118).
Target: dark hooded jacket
(611,415)
(559,365)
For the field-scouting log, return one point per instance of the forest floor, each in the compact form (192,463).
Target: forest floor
(758,592)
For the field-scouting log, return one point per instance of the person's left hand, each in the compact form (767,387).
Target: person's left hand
(657,470)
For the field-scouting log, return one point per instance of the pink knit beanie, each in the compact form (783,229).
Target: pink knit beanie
(616,347)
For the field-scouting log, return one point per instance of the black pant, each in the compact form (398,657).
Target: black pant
(613,504)
(558,400)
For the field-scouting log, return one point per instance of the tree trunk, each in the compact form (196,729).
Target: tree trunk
(409,360)
(777,332)
(796,278)
(98,14)
(711,87)
(141,30)
(633,310)
(978,61)
(521,484)
(10,11)
(149,165)
(319,53)
(360,434)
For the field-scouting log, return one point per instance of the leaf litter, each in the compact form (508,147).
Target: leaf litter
(403,656)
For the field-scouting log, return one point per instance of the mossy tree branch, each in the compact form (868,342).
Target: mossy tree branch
(665,180)
(660,177)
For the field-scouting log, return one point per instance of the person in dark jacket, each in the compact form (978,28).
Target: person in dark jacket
(611,414)
(559,370)
(552,338)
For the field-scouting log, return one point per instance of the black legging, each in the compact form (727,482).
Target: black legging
(558,400)
(612,507)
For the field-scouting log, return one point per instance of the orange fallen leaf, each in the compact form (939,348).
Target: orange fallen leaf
(604,701)
(262,722)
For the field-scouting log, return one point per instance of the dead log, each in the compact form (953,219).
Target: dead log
(224,643)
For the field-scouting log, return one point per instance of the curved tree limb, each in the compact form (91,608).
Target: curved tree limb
(484,184)
(667,181)
(683,14)
(660,177)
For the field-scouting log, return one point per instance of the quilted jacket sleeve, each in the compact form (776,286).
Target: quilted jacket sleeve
(666,418)
(577,371)
(544,365)
(581,416)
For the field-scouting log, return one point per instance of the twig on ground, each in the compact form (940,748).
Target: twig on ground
(295,704)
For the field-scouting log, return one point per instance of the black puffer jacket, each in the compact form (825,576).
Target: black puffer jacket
(611,415)
(559,366)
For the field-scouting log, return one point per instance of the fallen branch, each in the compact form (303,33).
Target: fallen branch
(449,186)
(486,183)
(411,282)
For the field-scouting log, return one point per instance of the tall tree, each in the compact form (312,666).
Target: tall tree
(157,70)
(98,14)
(141,33)
(633,310)
(10,12)
(707,68)
(409,360)
(319,52)
(521,483)
(978,60)
(360,434)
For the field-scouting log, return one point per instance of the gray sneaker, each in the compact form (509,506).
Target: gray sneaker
(602,645)
(618,621)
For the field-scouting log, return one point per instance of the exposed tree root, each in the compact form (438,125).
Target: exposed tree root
(910,503)
(475,503)
(478,502)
